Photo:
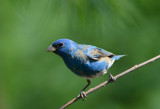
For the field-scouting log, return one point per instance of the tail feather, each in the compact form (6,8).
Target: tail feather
(117,57)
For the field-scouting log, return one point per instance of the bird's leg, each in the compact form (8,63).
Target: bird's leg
(82,93)
(111,78)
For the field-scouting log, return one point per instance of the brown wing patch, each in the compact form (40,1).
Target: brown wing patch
(95,52)
(80,54)
(107,59)
(85,47)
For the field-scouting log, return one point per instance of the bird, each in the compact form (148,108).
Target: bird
(86,61)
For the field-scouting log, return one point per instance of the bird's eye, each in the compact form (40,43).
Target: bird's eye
(60,44)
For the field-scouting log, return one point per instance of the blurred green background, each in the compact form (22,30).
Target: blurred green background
(31,78)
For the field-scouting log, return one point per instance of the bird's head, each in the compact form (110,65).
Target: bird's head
(62,47)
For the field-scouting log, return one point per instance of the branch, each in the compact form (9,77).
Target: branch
(106,82)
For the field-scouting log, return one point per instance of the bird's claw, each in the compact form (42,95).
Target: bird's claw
(111,78)
(82,95)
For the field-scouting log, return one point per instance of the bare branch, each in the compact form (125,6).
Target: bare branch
(106,82)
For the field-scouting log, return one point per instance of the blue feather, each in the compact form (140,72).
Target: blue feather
(117,57)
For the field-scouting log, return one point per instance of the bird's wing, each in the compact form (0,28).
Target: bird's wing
(95,53)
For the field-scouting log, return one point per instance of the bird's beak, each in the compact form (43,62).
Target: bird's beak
(51,49)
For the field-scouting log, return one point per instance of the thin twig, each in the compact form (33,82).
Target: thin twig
(106,82)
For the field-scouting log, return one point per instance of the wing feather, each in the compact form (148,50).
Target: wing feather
(97,53)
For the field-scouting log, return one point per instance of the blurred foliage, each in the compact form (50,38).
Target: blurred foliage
(30,78)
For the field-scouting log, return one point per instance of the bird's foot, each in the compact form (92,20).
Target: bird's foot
(82,95)
(111,78)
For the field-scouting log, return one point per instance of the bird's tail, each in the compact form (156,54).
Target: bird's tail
(117,57)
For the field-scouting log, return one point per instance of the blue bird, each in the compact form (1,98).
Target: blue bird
(84,60)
